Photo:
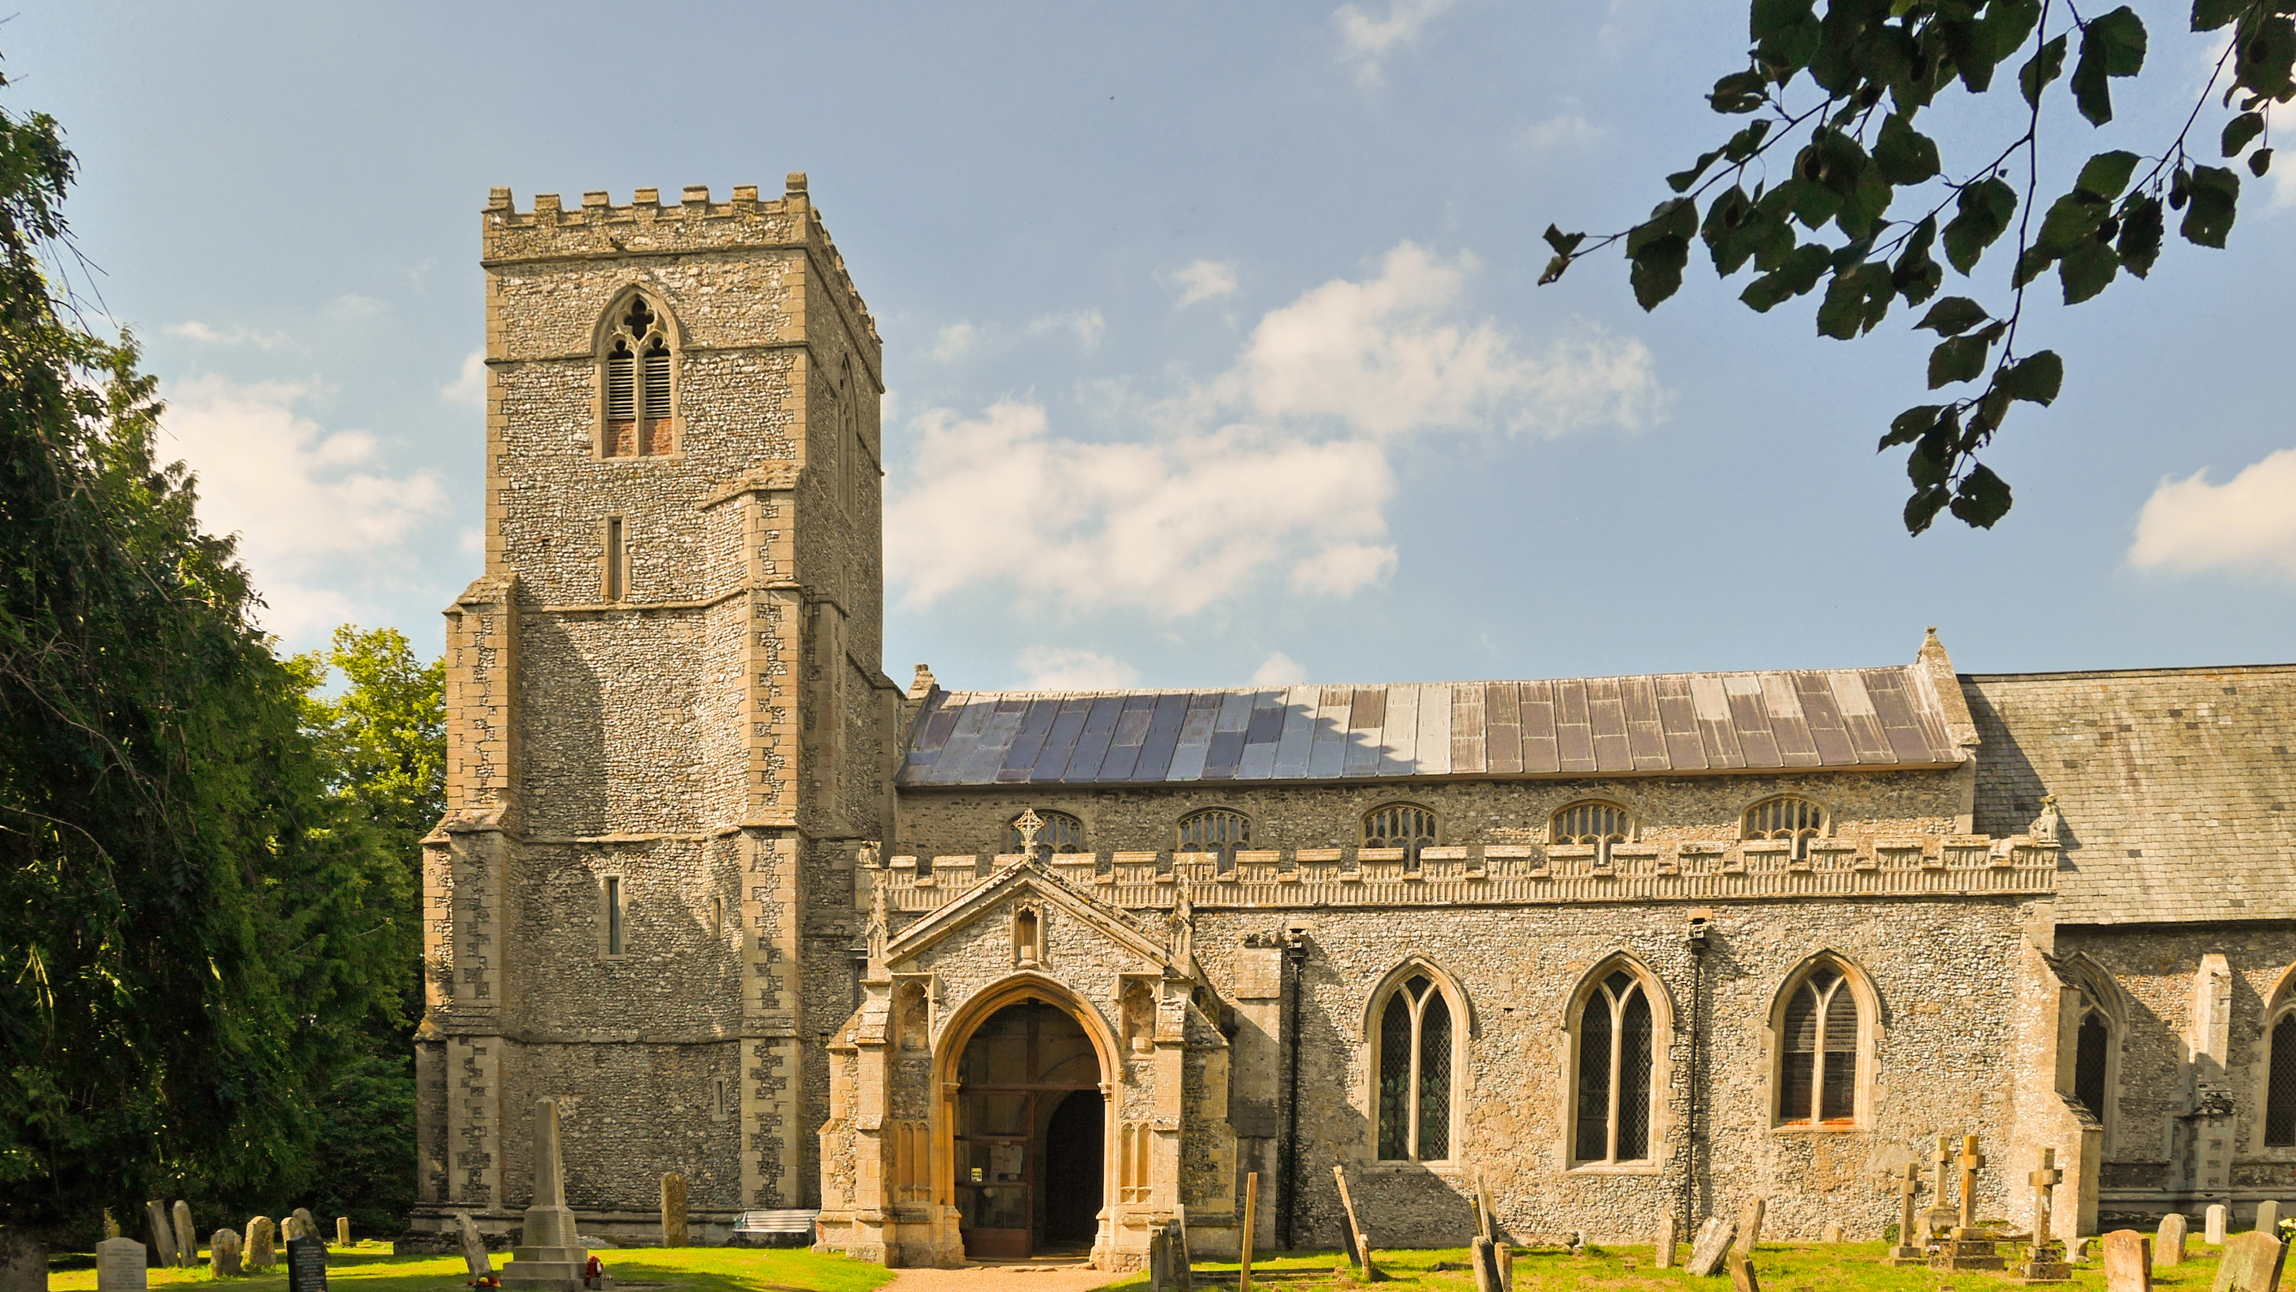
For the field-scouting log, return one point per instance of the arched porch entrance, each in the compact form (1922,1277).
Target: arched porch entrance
(1029,1130)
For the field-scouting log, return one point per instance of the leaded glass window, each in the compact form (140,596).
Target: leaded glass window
(1818,1078)
(1787,818)
(1400,825)
(1597,823)
(2280,1095)
(1614,1065)
(1215,830)
(1415,1048)
(2092,1052)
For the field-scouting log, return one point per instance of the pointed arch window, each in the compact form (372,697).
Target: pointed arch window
(1593,822)
(638,380)
(1821,1040)
(1215,830)
(1059,833)
(1787,818)
(1414,1070)
(2280,1080)
(1400,825)
(1616,1052)
(2092,1060)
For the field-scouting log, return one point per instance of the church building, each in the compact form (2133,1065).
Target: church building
(992,974)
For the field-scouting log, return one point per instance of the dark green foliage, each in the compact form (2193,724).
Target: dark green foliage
(1856,150)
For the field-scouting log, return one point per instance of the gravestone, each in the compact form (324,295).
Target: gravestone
(674,1210)
(550,1256)
(2045,1261)
(1711,1245)
(120,1266)
(2127,1262)
(342,1231)
(2268,1217)
(306,1225)
(1750,1225)
(1160,1259)
(262,1244)
(1485,1262)
(1939,1217)
(2212,1231)
(2251,1264)
(161,1231)
(1742,1273)
(474,1256)
(1506,1267)
(306,1265)
(1832,1233)
(1910,1249)
(111,1226)
(1969,1248)
(1662,1247)
(186,1238)
(223,1254)
(2168,1243)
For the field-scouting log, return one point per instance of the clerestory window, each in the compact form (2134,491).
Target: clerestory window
(1400,825)
(1592,822)
(1059,832)
(1215,830)
(1795,820)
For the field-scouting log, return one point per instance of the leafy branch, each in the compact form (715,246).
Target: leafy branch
(1872,66)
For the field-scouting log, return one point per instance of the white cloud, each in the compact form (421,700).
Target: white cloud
(469,386)
(1278,669)
(1200,280)
(954,342)
(1086,325)
(1274,472)
(1560,131)
(351,305)
(1065,668)
(2247,525)
(1366,39)
(194,330)
(312,508)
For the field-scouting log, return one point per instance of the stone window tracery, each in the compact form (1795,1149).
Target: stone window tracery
(1616,1055)
(1787,818)
(1400,825)
(1412,1080)
(1215,830)
(2280,1081)
(1821,1042)
(1593,822)
(638,375)
(1059,832)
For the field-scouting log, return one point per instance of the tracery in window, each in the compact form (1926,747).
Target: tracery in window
(1400,825)
(1615,1056)
(1592,822)
(639,398)
(1215,830)
(1414,1074)
(1786,818)
(1059,832)
(1819,1051)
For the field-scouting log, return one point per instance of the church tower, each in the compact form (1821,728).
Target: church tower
(668,731)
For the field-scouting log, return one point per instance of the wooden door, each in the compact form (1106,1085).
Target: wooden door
(1014,1072)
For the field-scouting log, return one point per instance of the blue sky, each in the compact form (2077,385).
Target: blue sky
(1212,327)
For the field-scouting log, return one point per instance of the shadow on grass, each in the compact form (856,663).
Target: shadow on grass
(370,1267)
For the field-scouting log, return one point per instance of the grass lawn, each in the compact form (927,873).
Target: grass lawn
(370,1267)
(1782,1267)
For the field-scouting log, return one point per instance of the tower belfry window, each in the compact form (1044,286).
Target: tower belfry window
(639,398)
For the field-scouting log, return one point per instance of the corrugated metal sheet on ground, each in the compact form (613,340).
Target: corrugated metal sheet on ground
(1596,726)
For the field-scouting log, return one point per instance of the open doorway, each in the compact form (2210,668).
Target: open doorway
(1028,1134)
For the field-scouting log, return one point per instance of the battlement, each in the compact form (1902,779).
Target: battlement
(649,226)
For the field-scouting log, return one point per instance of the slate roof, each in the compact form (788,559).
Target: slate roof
(1661,724)
(2177,787)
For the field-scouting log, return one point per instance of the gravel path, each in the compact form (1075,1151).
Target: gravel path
(1003,1278)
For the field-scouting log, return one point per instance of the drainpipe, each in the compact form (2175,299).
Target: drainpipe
(1287,1152)
(1691,1137)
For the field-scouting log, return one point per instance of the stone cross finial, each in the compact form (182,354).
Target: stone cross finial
(1030,826)
(2044,1181)
(1971,1161)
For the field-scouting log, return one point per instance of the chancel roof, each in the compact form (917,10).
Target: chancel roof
(1657,724)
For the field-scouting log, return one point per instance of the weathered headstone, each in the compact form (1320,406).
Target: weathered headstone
(1485,1261)
(1742,1273)
(1711,1245)
(1662,1247)
(1365,1269)
(2268,1217)
(160,1230)
(1910,1249)
(2127,1261)
(1183,1256)
(474,1257)
(2045,1260)
(674,1210)
(1750,1225)
(306,1225)
(223,1254)
(1969,1248)
(2251,1264)
(342,1231)
(120,1266)
(1160,1259)
(2168,1243)
(2212,1231)
(1939,1217)
(306,1265)
(1506,1267)
(1832,1233)
(262,1250)
(186,1238)
(550,1256)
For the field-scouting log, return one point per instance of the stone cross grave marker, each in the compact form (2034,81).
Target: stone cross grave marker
(262,1244)
(2213,1228)
(1662,1247)
(2268,1217)
(2045,1261)
(1939,1216)
(1972,1162)
(2127,1261)
(162,1231)
(120,1266)
(674,1211)
(306,1265)
(1742,1272)
(1909,1249)
(2251,1264)
(2168,1242)
(1750,1225)
(186,1238)
(1711,1245)
(474,1258)
(223,1254)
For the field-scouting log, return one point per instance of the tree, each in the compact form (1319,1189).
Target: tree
(1849,128)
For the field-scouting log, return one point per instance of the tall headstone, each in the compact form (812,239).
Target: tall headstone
(161,1231)
(551,1258)
(674,1210)
(262,1243)
(1742,1273)
(1662,1247)
(305,1224)
(473,1246)
(1939,1217)
(2045,1260)
(2168,1243)
(342,1231)
(2251,1264)
(1969,1248)
(2213,1232)
(1711,1245)
(306,1265)
(2268,1217)
(223,1254)
(1160,1259)
(120,1266)
(186,1238)
(1910,1249)
(1484,1260)
(2127,1261)
(1750,1225)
